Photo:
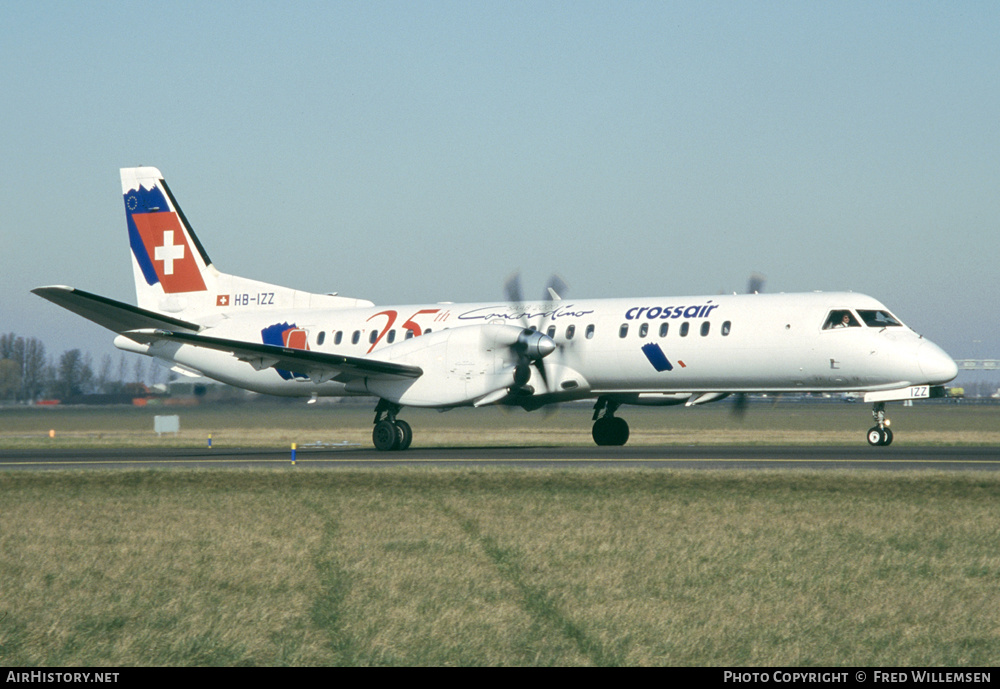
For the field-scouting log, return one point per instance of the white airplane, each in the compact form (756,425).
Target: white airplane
(644,351)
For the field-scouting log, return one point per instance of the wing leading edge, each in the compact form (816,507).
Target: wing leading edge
(111,314)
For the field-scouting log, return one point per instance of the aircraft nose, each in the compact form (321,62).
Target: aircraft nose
(937,366)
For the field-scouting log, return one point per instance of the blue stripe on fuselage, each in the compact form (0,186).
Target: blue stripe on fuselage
(656,357)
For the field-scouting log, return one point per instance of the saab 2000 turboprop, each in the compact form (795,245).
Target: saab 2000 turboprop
(645,351)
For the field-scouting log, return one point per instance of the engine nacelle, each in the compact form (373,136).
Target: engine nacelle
(461,366)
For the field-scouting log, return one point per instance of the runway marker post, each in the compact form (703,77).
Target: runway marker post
(293,454)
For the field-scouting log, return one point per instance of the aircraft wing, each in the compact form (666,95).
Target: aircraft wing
(111,314)
(319,366)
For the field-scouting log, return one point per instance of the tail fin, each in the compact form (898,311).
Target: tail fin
(173,273)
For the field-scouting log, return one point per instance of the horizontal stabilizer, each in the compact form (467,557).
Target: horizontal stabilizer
(319,366)
(111,314)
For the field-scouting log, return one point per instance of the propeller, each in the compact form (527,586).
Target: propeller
(755,285)
(556,288)
(740,403)
(532,346)
(512,290)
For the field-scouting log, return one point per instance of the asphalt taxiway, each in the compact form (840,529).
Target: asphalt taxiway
(893,458)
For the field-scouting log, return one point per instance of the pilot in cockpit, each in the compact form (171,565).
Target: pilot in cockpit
(840,319)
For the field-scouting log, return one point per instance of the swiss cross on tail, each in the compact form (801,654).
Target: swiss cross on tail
(172,258)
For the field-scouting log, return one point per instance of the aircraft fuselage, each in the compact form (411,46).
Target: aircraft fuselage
(643,346)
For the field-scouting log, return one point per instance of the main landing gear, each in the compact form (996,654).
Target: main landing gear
(390,433)
(608,428)
(880,434)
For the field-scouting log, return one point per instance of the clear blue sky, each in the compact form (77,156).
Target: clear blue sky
(422,151)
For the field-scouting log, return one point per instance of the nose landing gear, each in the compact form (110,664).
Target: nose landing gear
(879,435)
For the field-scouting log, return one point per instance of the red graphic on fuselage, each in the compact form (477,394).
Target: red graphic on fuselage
(295,338)
(410,324)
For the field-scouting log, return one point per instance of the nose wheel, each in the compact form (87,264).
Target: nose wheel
(879,435)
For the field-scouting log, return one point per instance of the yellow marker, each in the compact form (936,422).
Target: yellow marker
(293,454)
(52,433)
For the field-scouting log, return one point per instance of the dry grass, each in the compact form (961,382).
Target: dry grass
(498,567)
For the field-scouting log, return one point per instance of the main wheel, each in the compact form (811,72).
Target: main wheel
(602,431)
(386,436)
(619,431)
(610,430)
(405,434)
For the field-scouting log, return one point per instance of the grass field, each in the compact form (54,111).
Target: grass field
(296,566)
(279,424)
(498,567)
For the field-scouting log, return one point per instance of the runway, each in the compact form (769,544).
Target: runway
(704,457)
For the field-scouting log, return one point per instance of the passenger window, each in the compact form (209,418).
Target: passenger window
(551,332)
(321,337)
(664,327)
(338,337)
(685,326)
(590,331)
(356,337)
(726,328)
(409,334)
(644,330)
(878,319)
(373,336)
(705,327)
(570,332)
(841,318)
(391,337)
(623,331)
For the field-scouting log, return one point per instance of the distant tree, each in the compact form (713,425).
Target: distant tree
(10,368)
(74,375)
(27,357)
(8,346)
(108,381)
(10,379)
(33,370)
(122,369)
(49,377)
(154,372)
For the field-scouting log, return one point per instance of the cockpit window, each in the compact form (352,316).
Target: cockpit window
(878,319)
(841,318)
